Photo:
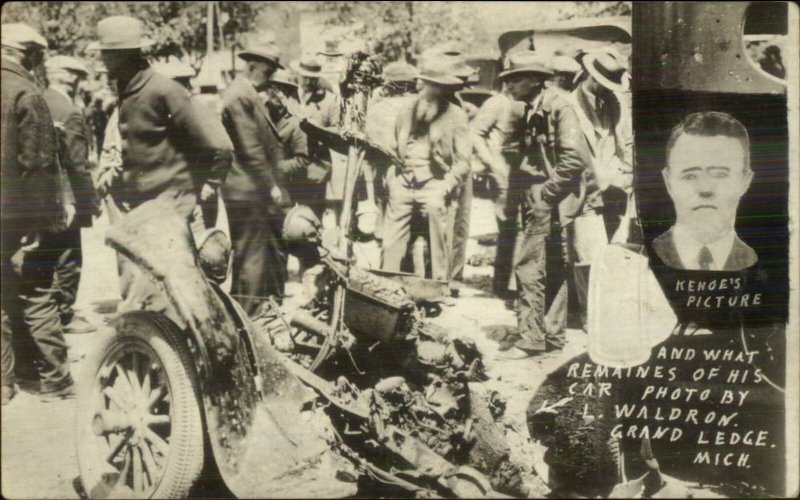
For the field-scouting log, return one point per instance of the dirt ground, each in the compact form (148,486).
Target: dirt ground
(38,439)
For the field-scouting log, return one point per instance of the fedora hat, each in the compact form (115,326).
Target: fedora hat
(609,68)
(119,33)
(399,71)
(331,49)
(21,37)
(307,65)
(525,61)
(439,69)
(449,48)
(283,78)
(66,63)
(267,52)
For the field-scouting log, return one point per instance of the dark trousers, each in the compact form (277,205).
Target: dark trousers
(507,233)
(68,271)
(540,273)
(33,343)
(259,256)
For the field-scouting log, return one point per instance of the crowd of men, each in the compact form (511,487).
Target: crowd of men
(556,141)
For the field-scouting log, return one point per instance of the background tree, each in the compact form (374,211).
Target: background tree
(177,28)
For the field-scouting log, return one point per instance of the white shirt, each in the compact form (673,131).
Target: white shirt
(689,248)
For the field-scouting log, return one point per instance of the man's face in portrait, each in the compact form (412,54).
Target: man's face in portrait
(706,176)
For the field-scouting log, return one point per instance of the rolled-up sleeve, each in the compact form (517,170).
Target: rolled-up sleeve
(208,145)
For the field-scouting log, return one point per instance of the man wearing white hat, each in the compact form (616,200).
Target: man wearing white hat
(322,107)
(64,74)
(432,141)
(169,148)
(564,70)
(254,191)
(606,125)
(32,208)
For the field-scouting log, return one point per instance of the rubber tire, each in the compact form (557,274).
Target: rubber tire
(186,442)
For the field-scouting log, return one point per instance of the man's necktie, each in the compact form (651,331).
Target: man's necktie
(705,259)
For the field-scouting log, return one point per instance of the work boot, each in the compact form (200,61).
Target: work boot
(67,392)
(8,393)
(79,325)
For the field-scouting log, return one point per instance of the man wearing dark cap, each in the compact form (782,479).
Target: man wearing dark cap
(498,134)
(64,73)
(556,164)
(280,92)
(432,141)
(32,209)
(254,191)
(399,87)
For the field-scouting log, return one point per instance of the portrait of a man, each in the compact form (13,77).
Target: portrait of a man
(706,174)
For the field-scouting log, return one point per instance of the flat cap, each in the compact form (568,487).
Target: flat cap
(22,37)
(66,63)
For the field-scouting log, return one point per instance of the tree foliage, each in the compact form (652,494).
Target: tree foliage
(404,29)
(177,28)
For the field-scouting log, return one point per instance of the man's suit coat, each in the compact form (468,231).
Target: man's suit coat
(73,154)
(741,256)
(31,190)
(607,157)
(256,143)
(558,153)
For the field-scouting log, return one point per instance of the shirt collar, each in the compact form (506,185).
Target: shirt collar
(689,248)
(316,96)
(137,82)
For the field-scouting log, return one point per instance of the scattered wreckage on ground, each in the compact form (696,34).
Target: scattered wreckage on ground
(352,393)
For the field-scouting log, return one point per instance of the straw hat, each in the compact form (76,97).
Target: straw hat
(21,37)
(266,52)
(609,68)
(283,78)
(399,71)
(119,33)
(307,65)
(525,61)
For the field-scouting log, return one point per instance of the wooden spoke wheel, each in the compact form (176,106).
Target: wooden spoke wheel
(139,425)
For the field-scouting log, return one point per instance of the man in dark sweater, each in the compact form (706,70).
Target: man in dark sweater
(171,149)
(64,73)
(32,209)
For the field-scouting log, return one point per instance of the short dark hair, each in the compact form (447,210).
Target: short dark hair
(712,123)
